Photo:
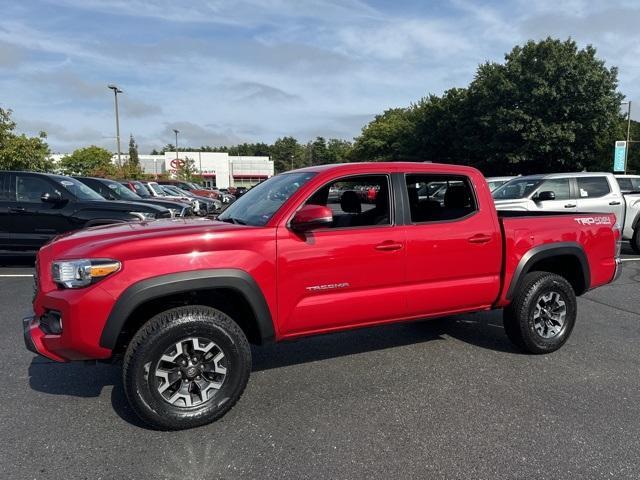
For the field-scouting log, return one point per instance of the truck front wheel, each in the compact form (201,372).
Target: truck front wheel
(186,367)
(542,314)
(635,241)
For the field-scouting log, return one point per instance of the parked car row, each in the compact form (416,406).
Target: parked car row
(580,192)
(35,207)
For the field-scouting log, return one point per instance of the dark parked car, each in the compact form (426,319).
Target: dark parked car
(35,207)
(206,206)
(112,190)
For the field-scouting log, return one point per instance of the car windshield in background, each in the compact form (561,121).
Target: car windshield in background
(257,206)
(515,189)
(123,192)
(78,189)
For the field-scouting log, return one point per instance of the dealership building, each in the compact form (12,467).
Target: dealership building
(218,169)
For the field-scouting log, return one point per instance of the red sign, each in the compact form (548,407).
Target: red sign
(177,163)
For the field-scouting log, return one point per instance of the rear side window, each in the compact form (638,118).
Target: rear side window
(5,190)
(593,187)
(434,198)
(629,184)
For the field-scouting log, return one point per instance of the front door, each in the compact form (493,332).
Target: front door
(350,273)
(564,201)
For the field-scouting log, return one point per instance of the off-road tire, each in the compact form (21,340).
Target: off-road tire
(635,240)
(518,317)
(159,334)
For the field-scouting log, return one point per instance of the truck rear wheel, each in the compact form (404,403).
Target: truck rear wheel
(542,314)
(186,367)
(635,241)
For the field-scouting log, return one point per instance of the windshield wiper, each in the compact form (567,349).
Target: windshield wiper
(234,220)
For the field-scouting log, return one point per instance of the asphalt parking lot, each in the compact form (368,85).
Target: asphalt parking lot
(447,398)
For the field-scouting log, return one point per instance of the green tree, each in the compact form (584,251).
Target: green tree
(338,150)
(20,152)
(549,107)
(92,161)
(286,154)
(132,168)
(187,171)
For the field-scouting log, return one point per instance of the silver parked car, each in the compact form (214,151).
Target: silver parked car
(573,192)
(495,182)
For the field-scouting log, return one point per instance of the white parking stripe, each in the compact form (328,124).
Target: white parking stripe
(16,275)
(630,259)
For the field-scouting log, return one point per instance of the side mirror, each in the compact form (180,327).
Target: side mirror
(546,195)
(311,217)
(52,198)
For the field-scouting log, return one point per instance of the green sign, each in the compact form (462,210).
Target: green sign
(618,156)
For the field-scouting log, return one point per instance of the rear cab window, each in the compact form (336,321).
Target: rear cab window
(437,198)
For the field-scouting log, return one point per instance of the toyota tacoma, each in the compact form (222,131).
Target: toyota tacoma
(179,302)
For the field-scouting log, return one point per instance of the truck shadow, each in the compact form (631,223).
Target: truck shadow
(482,330)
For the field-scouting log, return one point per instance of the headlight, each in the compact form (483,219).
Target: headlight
(81,273)
(143,215)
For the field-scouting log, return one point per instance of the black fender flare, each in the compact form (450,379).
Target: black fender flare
(182,282)
(549,250)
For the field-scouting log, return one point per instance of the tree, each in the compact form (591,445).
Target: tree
(549,107)
(286,154)
(187,171)
(92,161)
(132,168)
(20,152)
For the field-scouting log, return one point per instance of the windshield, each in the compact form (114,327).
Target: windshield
(257,206)
(156,188)
(518,188)
(79,189)
(123,192)
(141,190)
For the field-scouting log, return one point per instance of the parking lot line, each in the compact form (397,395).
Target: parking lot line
(17,275)
(630,259)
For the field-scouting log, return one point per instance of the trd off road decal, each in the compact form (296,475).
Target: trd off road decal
(593,221)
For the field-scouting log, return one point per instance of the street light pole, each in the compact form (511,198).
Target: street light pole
(116,91)
(176,132)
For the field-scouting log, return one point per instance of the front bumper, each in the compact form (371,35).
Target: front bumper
(28,341)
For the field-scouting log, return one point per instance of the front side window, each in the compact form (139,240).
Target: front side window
(259,204)
(593,187)
(31,189)
(559,186)
(361,201)
(434,198)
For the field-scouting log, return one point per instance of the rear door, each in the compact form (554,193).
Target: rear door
(596,194)
(454,247)
(7,204)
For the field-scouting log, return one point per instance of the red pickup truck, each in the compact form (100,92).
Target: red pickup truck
(179,301)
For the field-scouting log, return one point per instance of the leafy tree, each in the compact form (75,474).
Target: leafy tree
(286,154)
(92,161)
(20,152)
(187,171)
(132,168)
(549,107)
(338,150)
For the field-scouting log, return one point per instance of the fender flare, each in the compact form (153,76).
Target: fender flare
(182,282)
(549,250)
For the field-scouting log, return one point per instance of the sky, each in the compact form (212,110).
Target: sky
(225,72)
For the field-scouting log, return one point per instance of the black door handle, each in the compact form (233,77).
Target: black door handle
(570,205)
(17,209)
(614,203)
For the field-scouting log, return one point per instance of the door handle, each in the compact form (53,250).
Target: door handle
(570,205)
(614,203)
(16,209)
(480,238)
(388,246)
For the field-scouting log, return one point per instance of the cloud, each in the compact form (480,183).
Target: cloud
(10,55)
(256,91)
(137,108)
(194,135)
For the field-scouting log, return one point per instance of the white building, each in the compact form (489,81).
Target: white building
(219,169)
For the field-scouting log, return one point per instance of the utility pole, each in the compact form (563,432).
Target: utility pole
(176,132)
(116,91)
(291,162)
(626,150)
